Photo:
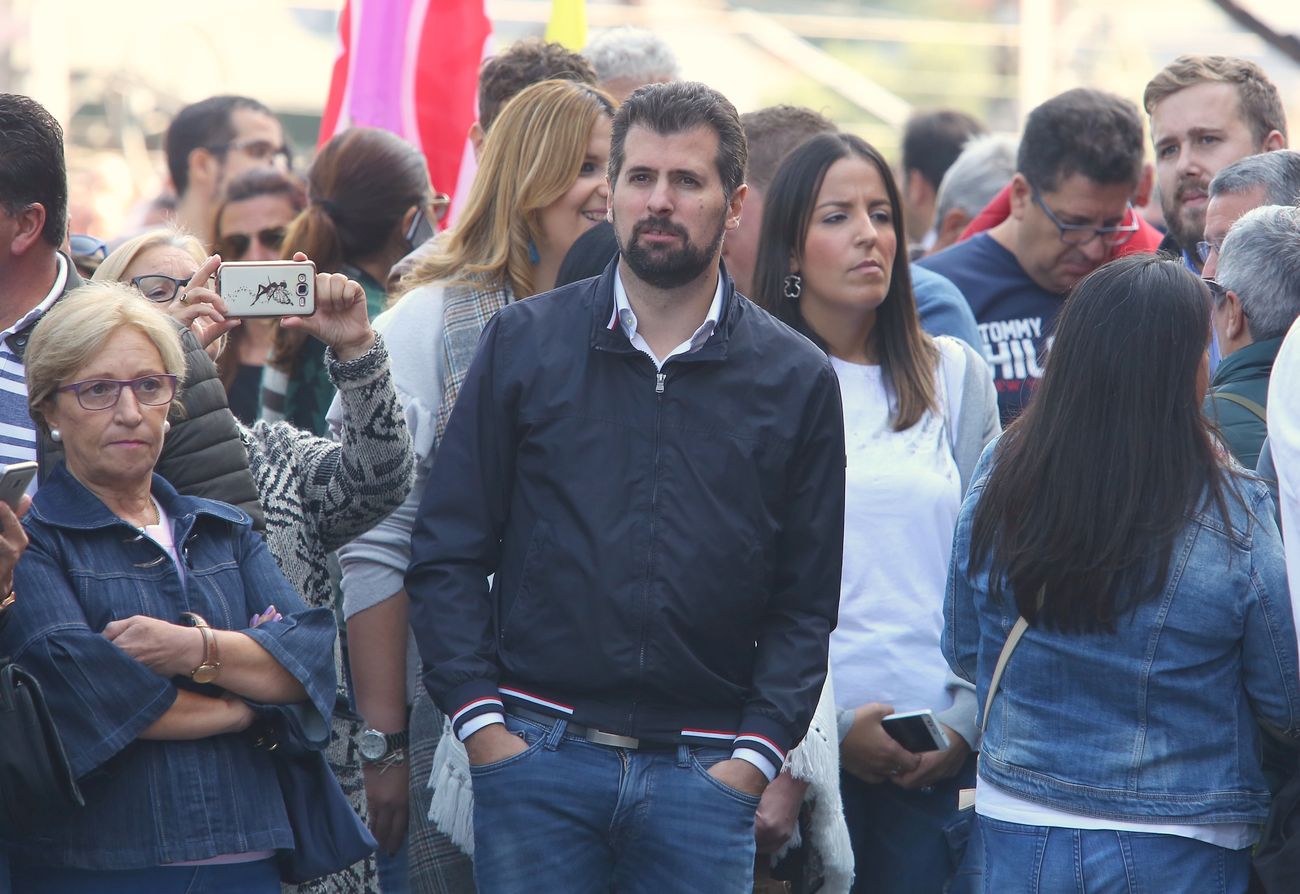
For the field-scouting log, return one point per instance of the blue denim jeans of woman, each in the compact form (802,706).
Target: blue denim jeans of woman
(568,815)
(258,877)
(1043,860)
(899,838)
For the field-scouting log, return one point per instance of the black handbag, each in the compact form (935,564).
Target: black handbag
(37,787)
(327,833)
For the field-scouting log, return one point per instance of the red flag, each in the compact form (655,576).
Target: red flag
(411,66)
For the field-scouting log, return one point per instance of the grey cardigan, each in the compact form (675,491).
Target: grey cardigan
(979,423)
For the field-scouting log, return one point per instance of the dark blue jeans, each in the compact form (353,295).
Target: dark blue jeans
(899,838)
(568,815)
(1041,860)
(260,877)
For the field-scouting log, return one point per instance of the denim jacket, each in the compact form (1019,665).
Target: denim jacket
(1155,722)
(152,802)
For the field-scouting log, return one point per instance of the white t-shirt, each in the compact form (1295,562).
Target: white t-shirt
(902,495)
(1000,804)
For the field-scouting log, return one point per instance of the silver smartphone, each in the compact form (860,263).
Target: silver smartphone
(268,288)
(917,731)
(14,481)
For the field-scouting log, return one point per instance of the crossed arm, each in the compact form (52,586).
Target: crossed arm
(171,650)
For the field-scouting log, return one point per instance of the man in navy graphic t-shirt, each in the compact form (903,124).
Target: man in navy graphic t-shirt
(1078,164)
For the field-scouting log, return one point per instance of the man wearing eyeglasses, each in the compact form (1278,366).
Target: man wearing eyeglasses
(210,143)
(1252,264)
(1079,162)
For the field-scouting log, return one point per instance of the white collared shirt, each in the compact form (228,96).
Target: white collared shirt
(624,315)
(17,431)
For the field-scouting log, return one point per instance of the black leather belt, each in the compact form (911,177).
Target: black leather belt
(595,736)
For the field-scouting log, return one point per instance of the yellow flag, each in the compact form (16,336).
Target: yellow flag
(568,23)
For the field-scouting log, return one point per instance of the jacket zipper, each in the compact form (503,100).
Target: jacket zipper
(660,378)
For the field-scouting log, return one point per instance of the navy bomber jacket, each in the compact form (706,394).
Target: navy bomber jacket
(665,545)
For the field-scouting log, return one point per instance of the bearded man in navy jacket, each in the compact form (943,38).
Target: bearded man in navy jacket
(652,470)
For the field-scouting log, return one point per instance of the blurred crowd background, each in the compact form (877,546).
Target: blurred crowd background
(115,74)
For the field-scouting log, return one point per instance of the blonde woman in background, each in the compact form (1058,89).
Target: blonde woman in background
(540,185)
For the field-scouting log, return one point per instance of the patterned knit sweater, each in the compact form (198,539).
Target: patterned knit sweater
(317,495)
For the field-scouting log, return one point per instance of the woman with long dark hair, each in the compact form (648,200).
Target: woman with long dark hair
(918,411)
(369,204)
(1121,751)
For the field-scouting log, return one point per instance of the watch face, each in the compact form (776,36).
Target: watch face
(205,673)
(373,745)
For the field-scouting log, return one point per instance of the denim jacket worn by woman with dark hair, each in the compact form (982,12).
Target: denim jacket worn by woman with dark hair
(1155,722)
(152,802)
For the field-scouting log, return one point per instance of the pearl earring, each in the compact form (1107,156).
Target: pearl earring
(167,426)
(55,435)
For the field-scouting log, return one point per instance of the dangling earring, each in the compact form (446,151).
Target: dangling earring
(167,426)
(793,286)
(55,435)
(533,256)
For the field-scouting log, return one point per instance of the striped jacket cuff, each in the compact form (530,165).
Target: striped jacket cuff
(470,702)
(764,765)
(760,751)
(473,725)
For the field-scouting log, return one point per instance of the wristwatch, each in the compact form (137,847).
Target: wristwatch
(211,666)
(375,746)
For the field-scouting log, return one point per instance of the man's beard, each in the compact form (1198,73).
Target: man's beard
(1187,231)
(669,268)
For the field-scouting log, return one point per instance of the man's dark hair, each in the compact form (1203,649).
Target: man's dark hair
(1081,131)
(679,107)
(933,140)
(32,169)
(205,124)
(773,133)
(526,62)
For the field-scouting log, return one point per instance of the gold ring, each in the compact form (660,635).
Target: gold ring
(184,299)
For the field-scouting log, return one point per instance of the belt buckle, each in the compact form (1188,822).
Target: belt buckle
(600,737)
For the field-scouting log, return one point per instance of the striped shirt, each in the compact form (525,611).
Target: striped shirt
(17,430)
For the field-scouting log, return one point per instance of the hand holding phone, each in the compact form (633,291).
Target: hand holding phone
(341,320)
(14,481)
(917,731)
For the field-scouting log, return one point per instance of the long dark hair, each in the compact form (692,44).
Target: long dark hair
(1094,481)
(359,187)
(907,355)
